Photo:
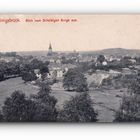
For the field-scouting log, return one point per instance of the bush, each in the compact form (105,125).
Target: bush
(1,76)
(74,80)
(120,81)
(46,110)
(130,107)
(135,85)
(18,108)
(129,110)
(28,76)
(38,108)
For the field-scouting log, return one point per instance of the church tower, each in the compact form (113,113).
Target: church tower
(50,50)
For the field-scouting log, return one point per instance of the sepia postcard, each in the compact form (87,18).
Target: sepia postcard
(70,68)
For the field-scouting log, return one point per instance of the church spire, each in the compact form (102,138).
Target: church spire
(50,46)
(50,50)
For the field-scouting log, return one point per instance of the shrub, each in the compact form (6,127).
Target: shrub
(46,110)
(74,80)
(28,76)
(129,110)
(18,108)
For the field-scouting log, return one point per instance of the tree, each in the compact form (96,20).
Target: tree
(85,66)
(135,85)
(137,60)
(129,109)
(125,62)
(28,76)
(78,109)
(1,117)
(1,76)
(74,80)
(18,108)
(101,58)
(40,107)
(12,68)
(10,54)
(63,58)
(35,64)
(46,110)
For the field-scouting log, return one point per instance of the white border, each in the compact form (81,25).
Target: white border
(69,6)
(69,131)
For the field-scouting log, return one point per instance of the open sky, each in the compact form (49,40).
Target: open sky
(90,32)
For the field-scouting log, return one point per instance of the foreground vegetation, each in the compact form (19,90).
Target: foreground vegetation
(41,107)
(130,107)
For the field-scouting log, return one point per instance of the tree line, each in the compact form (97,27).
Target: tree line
(24,68)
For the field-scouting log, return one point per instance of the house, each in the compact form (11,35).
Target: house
(55,73)
(133,61)
(60,73)
(58,61)
(37,73)
(8,59)
(113,58)
(39,76)
(104,63)
(58,70)
(52,60)
(114,73)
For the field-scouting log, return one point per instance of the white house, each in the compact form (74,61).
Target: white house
(104,63)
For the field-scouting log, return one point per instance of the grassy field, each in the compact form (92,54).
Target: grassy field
(105,101)
(7,87)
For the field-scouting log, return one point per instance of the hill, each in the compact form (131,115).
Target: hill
(116,51)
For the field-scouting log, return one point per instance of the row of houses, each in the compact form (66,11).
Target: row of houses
(55,71)
(8,59)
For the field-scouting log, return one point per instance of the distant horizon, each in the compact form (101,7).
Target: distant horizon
(69,50)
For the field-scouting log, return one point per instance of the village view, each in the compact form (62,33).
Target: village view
(95,86)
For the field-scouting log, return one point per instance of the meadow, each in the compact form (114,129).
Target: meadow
(105,101)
